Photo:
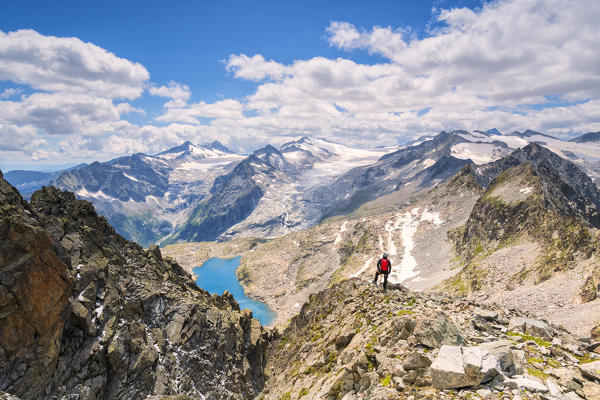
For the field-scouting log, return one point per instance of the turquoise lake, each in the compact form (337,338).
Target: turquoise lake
(217,275)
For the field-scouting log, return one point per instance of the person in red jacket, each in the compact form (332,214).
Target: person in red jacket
(384,267)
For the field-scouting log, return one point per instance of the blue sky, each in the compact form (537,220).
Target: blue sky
(187,41)
(85,81)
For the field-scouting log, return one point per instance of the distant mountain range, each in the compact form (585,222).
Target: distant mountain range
(588,137)
(28,182)
(208,192)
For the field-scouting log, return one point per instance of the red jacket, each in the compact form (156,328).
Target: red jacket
(384,265)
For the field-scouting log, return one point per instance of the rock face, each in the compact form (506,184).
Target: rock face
(34,290)
(352,341)
(422,165)
(87,314)
(536,196)
(144,196)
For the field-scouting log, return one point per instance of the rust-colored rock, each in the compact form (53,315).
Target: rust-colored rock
(34,292)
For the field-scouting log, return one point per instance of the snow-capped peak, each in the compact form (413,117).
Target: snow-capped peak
(190,150)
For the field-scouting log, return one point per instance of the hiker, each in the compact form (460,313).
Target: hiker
(384,267)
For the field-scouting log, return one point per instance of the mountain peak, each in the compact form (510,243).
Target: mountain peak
(587,137)
(217,146)
(187,148)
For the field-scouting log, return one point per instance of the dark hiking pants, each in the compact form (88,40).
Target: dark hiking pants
(385,276)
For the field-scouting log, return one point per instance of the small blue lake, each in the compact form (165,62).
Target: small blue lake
(217,275)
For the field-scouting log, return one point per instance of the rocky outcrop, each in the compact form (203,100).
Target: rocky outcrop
(539,197)
(34,290)
(234,196)
(395,170)
(88,314)
(142,195)
(353,341)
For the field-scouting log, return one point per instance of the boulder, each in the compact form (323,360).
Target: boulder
(591,370)
(501,350)
(532,327)
(456,367)
(155,251)
(523,383)
(554,389)
(448,369)
(591,391)
(481,361)
(483,314)
(436,330)
(416,360)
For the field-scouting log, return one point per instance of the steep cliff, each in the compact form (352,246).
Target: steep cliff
(104,318)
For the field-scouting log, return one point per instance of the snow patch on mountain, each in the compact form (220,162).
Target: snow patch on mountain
(209,163)
(338,237)
(479,153)
(526,190)
(130,177)
(408,224)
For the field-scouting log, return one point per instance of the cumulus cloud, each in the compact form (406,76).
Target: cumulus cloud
(172,90)
(192,113)
(513,65)
(68,65)
(511,52)
(255,68)
(497,66)
(60,113)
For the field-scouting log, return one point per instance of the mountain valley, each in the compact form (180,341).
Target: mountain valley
(494,291)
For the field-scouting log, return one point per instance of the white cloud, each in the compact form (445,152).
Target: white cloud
(177,92)
(482,68)
(60,113)
(178,111)
(255,68)
(126,108)
(68,65)
(511,52)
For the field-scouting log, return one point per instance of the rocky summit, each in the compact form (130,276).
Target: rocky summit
(354,341)
(86,314)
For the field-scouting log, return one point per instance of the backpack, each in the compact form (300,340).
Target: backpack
(385,265)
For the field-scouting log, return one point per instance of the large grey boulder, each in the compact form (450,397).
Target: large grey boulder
(501,350)
(457,367)
(531,327)
(450,370)
(524,383)
(436,330)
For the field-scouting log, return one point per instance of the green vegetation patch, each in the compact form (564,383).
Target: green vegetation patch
(387,380)
(535,339)
(537,373)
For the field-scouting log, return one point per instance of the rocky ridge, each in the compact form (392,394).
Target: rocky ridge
(533,196)
(85,313)
(145,196)
(353,341)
